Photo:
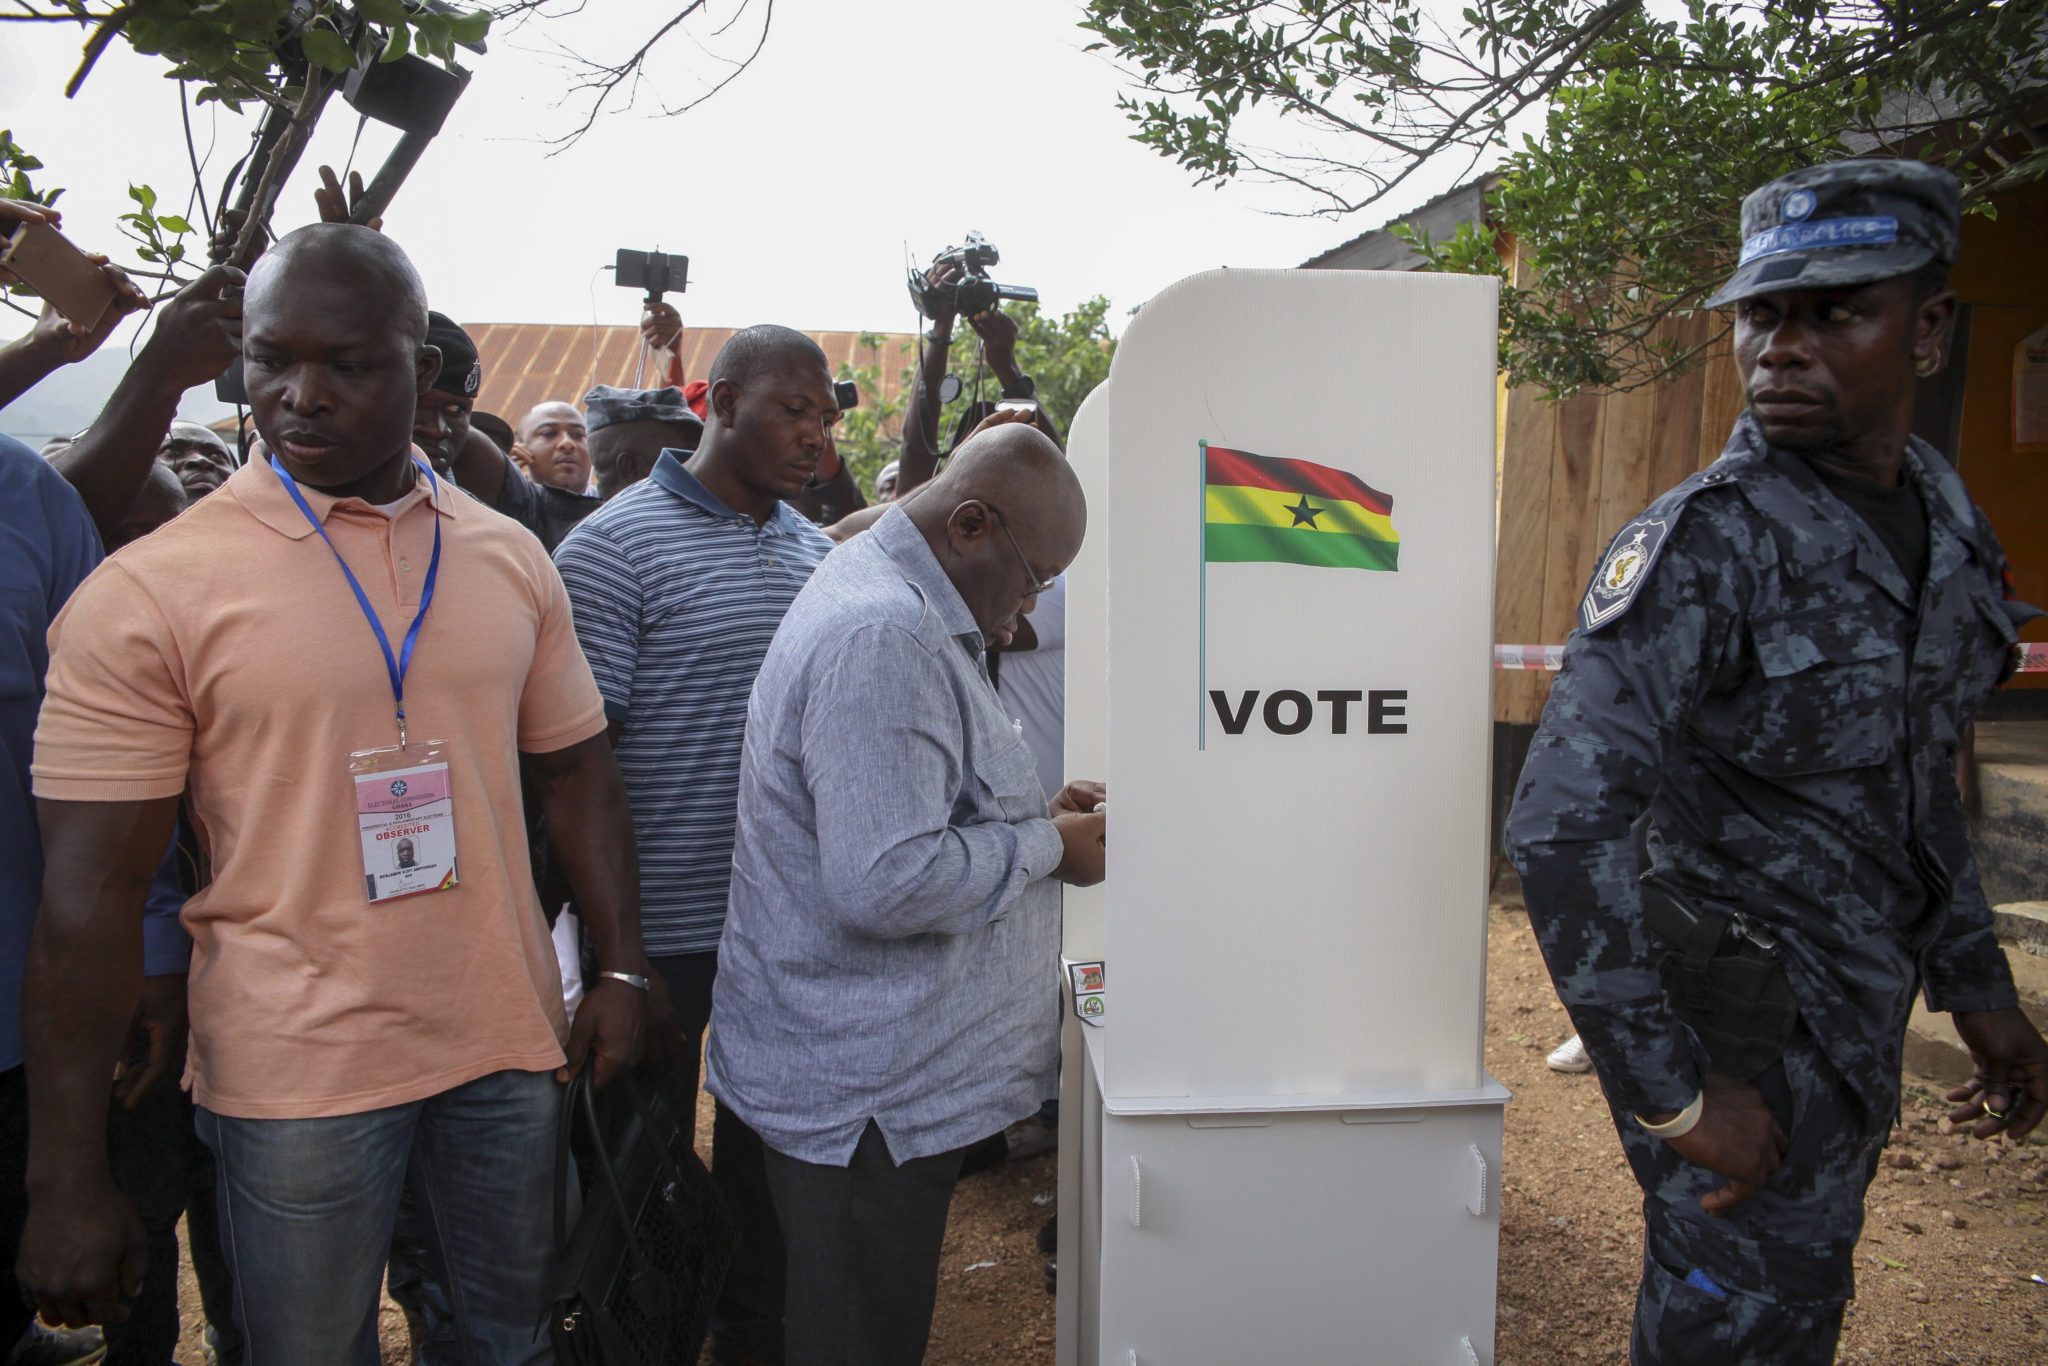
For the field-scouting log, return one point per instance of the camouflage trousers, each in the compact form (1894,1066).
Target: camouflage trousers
(1768,1283)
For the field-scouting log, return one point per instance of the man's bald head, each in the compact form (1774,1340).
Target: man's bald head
(334,357)
(1006,515)
(1020,470)
(554,410)
(375,270)
(557,445)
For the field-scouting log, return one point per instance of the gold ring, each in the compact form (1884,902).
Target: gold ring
(1985,1106)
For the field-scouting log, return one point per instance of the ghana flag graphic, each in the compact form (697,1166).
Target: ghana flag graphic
(1257,508)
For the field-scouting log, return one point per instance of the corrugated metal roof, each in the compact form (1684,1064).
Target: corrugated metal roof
(1439,218)
(526,364)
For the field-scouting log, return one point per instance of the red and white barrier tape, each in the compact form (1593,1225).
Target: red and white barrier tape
(1549,657)
(2033,659)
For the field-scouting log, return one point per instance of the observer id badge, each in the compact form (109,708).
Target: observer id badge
(405,814)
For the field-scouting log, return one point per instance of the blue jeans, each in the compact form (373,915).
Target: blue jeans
(307,1208)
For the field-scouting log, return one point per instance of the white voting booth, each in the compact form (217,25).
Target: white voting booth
(1278,1143)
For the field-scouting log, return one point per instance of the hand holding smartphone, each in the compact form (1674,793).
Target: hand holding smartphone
(72,282)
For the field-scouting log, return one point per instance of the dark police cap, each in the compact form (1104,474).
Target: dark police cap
(605,406)
(1845,223)
(461,371)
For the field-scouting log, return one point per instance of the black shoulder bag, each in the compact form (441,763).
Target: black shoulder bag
(638,1274)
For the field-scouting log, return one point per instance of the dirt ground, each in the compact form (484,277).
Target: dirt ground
(1955,1228)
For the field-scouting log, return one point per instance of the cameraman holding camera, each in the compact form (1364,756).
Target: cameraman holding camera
(957,283)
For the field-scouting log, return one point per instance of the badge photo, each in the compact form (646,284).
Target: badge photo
(405,818)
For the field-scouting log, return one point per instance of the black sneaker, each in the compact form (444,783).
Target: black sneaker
(41,1346)
(1049,1236)
(1052,1279)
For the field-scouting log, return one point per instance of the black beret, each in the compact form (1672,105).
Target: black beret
(461,371)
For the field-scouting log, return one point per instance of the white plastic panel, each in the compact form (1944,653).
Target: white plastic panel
(1310,1238)
(1087,721)
(1299,914)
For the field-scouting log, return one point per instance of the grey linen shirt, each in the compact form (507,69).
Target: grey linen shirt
(891,945)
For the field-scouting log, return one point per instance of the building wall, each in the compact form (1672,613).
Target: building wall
(2002,274)
(1572,475)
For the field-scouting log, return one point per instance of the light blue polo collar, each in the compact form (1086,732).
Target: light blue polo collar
(670,473)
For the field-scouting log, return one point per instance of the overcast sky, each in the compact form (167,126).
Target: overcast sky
(862,127)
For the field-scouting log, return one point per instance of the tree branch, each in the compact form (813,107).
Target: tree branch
(603,80)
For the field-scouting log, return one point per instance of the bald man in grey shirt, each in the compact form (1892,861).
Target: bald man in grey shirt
(886,978)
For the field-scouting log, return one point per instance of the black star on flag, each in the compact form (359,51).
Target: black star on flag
(1305,515)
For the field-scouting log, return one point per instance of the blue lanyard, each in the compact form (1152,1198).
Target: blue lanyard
(396,665)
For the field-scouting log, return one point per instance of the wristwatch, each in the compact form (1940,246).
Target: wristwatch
(631,979)
(1024,387)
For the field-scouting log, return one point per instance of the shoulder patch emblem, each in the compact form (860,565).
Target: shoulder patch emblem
(1622,573)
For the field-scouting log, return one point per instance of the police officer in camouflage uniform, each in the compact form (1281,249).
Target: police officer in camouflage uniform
(1775,662)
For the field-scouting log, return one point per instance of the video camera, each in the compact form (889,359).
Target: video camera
(973,292)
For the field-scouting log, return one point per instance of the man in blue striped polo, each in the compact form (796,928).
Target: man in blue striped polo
(677,585)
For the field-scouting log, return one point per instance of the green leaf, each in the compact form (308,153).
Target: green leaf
(469,28)
(432,35)
(384,11)
(398,44)
(144,196)
(325,47)
(172,223)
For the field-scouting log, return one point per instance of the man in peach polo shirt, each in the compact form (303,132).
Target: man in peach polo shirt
(348,1017)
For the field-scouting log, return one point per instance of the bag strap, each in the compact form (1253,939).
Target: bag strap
(565,1168)
(602,1159)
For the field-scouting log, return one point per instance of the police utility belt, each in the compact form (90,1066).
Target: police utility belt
(1725,975)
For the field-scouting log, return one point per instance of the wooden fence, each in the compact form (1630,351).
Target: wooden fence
(1572,474)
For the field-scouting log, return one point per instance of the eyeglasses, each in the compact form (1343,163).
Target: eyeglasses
(1038,585)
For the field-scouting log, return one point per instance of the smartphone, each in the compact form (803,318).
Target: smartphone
(59,272)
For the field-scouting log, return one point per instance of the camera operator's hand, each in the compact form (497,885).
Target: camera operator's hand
(14,211)
(334,206)
(198,333)
(59,341)
(660,325)
(55,341)
(28,211)
(221,245)
(998,333)
(939,281)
